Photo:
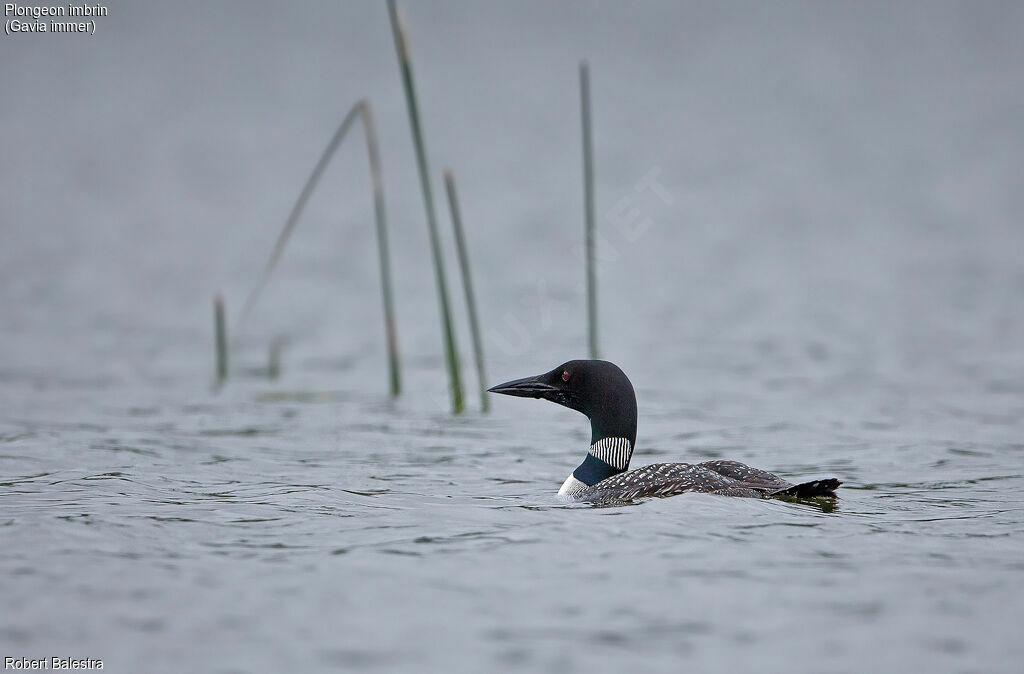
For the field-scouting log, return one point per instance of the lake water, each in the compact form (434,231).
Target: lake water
(812,262)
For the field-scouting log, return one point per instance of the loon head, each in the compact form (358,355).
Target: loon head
(602,392)
(597,388)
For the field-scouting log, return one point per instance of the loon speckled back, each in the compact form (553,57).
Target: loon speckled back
(603,392)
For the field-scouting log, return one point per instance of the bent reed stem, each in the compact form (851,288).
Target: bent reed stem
(363,111)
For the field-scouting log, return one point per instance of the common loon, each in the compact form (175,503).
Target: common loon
(602,392)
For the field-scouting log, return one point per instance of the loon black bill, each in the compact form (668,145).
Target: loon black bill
(528,387)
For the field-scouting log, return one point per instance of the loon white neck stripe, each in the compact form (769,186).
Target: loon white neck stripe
(616,452)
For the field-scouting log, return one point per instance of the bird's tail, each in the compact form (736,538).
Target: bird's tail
(808,489)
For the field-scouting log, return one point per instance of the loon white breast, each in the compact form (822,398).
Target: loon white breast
(602,392)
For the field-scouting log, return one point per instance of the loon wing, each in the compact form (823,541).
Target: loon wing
(751,477)
(761,479)
(669,479)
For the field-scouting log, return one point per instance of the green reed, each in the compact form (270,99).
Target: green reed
(390,326)
(467,284)
(274,358)
(221,338)
(588,203)
(448,332)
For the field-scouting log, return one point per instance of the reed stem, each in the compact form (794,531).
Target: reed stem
(220,327)
(467,284)
(588,201)
(448,333)
(274,359)
(390,326)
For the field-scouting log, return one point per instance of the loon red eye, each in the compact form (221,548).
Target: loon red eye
(565,376)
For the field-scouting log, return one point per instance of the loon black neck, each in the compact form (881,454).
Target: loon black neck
(615,419)
(612,434)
